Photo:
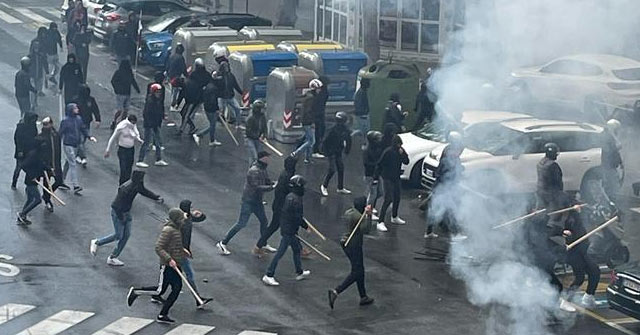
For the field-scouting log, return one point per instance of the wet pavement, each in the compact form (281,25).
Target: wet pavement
(413,295)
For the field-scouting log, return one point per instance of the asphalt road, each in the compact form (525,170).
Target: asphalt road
(57,273)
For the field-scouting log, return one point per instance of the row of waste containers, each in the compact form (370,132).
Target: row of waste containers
(278,67)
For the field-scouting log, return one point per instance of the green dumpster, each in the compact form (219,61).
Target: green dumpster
(387,77)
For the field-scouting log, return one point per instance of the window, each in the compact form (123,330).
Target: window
(572,67)
(409,36)
(342,37)
(567,141)
(431,10)
(430,37)
(319,22)
(388,8)
(336,26)
(167,7)
(327,24)
(410,9)
(388,33)
(627,74)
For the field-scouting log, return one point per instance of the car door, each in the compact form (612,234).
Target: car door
(568,81)
(519,163)
(579,152)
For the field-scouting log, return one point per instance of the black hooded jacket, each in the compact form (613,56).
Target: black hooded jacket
(449,169)
(33,165)
(292,215)
(370,157)
(52,152)
(334,142)
(128,191)
(123,44)
(195,84)
(394,115)
(153,112)
(23,84)
(187,225)
(176,66)
(210,97)
(52,40)
(71,78)
(549,176)
(283,188)
(25,135)
(229,85)
(390,164)
(256,125)
(89,110)
(123,79)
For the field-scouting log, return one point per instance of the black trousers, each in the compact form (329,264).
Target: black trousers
(46,196)
(188,112)
(581,263)
(168,277)
(320,129)
(391,195)
(273,227)
(335,163)
(354,253)
(16,172)
(125,158)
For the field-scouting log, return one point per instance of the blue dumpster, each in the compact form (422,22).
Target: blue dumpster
(340,66)
(252,70)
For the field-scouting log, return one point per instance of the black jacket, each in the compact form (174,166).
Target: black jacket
(257,183)
(549,176)
(89,110)
(370,157)
(187,225)
(25,137)
(123,44)
(52,151)
(394,115)
(122,82)
(256,126)
(39,66)
(334,141)
(201,76)
(611,158)
(22,84)
(210,98)
(449,169)
(292,215)
(195,84)
(229,85)
(153,112)
(70,79)
(306,113)
(573,223)
(81,43)
(33,166)
(176,66)
(320,103)
(424,107)
(52,40)
(283,188)
(390,164)
(128,191)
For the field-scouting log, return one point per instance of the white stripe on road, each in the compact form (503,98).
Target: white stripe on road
(124,326)
(54,12)
(190,329)
(57,323)
(10,311)
(35,17)
(8,18)
(635,209)
(253,332)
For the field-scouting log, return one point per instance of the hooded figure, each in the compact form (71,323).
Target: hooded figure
(81,41)
(158,78)
(51,157)
(256,130)
(72,128)
(34,170)
(389,168)
(38,56)
(393,112)
(50,45)
(425,105)
(89,110)
(24,140)
(123,44)
(23,86)
(70,79)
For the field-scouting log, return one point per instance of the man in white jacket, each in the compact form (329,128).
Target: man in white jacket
(126,134)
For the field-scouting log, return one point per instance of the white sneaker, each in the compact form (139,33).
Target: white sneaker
(397,220)
(114,261)
(269,248)
(84,161)
(215,144)
(343,191)
(374,217)
(153,148)
(374,211)
(161,163)
(566,306)
(588,300)
(458,238)
(78,160)
(269,281)
(324,191)
(430,235)
(142,165)
(93,247)
(317,155)
(303,275)
(381,227)
(196,139)
(223,249)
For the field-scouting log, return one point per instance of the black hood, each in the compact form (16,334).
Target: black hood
(185,206)
(137,177)
(360,203)
(290,164)
(30,118)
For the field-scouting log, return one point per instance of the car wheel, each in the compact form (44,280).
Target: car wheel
(595,110)
(416,174)
(617,256)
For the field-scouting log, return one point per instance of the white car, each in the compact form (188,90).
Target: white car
(501,157)
(596,84)
(419,143)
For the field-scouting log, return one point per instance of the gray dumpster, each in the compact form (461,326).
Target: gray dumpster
(228,47)
(270,34)
(196,40)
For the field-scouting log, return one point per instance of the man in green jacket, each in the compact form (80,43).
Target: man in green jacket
(171,252)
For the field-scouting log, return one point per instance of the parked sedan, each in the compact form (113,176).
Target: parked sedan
(623,293)
(596,84)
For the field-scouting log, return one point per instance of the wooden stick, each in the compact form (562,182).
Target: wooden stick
(49,186)
(268,145)
(226,125)
(468,189)
(597,229)
(355,228)
(315,230)
(51,193)
(184,279)
(568,209)
(524,217)
(313,248)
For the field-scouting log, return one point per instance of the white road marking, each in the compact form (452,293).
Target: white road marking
(54,12)
(10,311)
(35,17)
(190,329)
(11,270)
(57,323)
(8,18)
(635,209)
(253,332)
(143,76)
(124,326)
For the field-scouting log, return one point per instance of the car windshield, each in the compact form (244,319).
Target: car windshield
(160,24)
(491,137)
(432,131)
(627,74)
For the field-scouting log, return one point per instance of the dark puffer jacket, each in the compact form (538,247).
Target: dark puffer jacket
(169,243)
(153,112)
(257,183)
(25,135)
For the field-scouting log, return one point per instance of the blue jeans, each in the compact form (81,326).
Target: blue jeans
(151,135)
(186,266)
(70,165)
(246,209)
(122,231)
(362,125)
(233,104)
(253,147)
(285,242)
(33,198)
(309,141)
(213,119)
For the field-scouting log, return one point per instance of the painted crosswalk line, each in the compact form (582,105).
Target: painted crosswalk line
(8,18)
(10,311)
(124,326)
(54,12)
(30,14)
(57,323)
(253,332)
(190,329)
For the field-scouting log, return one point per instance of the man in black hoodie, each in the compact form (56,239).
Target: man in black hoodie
(70,79)
(176,68)
(81,41)
(389,168)
(123,44)
(24,140)
(194,86)
(34,168)
(370,158)
(89,112)
(212,109)
(319,107)
(51,156)
(256,130)
(23,86)
(121,216)
(153,114)
(334,145)
(281,190)
(227,94)
(394,114)
(354,252)
(122,81)
(39,67)
(52,41)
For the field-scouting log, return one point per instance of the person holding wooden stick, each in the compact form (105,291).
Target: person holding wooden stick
(34,168)
(52,157)
(256,130)
(292,219)
(171,252)
(549,187)
(353,250)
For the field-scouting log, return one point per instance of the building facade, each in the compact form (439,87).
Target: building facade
(413,30)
